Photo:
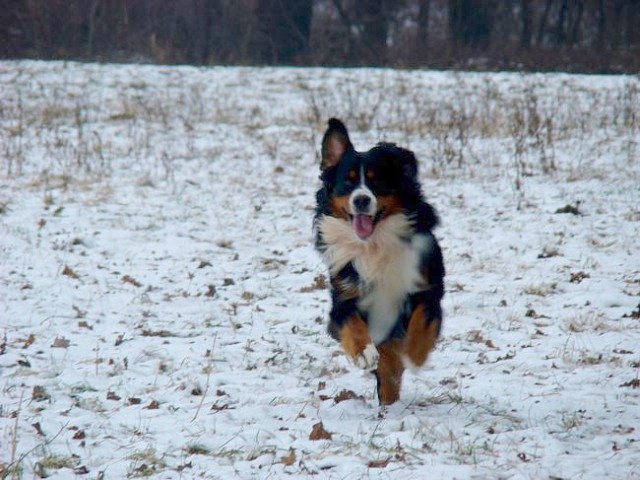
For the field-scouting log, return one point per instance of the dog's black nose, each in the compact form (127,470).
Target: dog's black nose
(362,203)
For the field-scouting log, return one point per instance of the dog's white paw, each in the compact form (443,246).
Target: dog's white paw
(368,359)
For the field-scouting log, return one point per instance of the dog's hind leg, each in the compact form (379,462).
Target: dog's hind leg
(421,337)
(389,372)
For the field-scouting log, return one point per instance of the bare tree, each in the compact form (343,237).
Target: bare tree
(422,34)
(526,24)
(470,21)
(578,35)
(284,28)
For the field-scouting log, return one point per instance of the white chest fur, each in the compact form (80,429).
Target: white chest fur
(388,265)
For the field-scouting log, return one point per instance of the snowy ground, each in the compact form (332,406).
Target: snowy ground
(163,312)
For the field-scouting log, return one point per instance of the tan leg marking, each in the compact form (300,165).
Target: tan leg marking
(389,372)
(421,336)
(357,343)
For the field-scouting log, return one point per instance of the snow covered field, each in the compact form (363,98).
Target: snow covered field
(163,312)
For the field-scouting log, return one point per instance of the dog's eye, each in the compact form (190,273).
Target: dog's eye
(371,175)
(352,176)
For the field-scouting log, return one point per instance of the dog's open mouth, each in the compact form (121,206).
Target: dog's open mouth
(362,225)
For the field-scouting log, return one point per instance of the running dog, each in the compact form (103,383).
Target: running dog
(373,229)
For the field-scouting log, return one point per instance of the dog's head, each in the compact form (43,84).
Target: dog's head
(365,188)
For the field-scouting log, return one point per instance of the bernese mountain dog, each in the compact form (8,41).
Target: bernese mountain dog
(373,229)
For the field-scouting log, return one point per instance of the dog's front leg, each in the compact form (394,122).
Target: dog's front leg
(357,343)
(345,323)
(389,371)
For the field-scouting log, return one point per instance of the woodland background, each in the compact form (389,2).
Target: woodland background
(596,36)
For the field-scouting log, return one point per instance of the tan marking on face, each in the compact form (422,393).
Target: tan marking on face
(340,206)
(389,205)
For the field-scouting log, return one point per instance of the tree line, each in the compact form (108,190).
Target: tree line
(569,35)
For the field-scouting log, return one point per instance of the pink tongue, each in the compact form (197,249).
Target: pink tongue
(363,225)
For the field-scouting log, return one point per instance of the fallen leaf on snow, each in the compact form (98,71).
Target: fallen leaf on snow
(29,341)
(154,405)
(475,336)
(635,383)
(158,333)
(346,395)
(578,277)
(379,463)
(319,283)
(211,291)
(131,280)
(39,394)
(319,433)
(634,314)
(289,459)
(69,272)
(79,313)
(38,428)
(219,407)
(60,342)
(572,209)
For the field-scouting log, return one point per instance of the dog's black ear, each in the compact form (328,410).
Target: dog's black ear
(334,143)
(403,161)
(409,165)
